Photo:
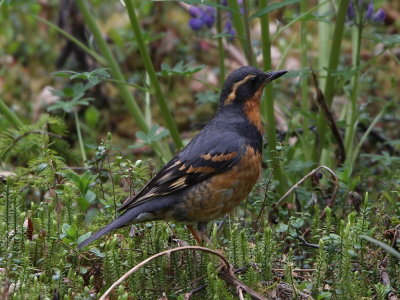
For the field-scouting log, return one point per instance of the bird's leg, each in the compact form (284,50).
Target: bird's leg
(195,234)
(200,234)
(202,228)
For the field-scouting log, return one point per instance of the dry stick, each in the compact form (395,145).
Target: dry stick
(240,292)
(320,98)
(286,287)
(331,201)
(225,274)
(229,278)
(296,270)
(384,275)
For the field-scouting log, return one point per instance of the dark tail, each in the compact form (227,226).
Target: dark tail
(121,221)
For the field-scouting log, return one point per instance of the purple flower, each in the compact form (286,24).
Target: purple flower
(379,16)
(370,11)
(350,12)
(361,12)
(201,16)
(208,16)
(194,11)
(228,28)
(196,24)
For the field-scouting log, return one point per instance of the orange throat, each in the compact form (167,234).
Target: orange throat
(252,110)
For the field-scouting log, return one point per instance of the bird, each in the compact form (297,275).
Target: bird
(215,171)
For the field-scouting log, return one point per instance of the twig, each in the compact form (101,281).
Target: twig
(240,292)
(320,98)
(84,168)
(167,252)
(305,243)
(287,288)
(267,187)
(296,270)
(331,201)
(379,137)
(229,278)
(385,278)
(202,287)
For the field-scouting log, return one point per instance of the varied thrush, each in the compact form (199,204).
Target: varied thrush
(215,171)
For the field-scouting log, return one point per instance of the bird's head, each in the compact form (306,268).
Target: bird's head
(246,84)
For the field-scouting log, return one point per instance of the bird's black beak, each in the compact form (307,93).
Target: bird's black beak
(269,76)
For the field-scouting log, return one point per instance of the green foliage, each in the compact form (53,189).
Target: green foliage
(311,243)
(43,234)
(180,69)
(26,141)
(155,134)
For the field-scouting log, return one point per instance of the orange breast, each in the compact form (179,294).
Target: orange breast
(218,195)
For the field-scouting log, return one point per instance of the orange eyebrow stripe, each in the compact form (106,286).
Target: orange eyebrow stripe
(232,95)
(219,157)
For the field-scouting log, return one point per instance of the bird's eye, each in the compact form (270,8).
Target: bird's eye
(253,80)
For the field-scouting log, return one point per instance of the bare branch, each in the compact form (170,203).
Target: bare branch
(167,252)
(331,201)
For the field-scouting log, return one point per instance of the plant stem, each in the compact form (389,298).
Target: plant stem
(78,131)
(162,103)
(116,72)
(324,35)
(221,50)
(11,117)
(267,103)
(267,65)
(242,32)
(351,120)
(245,18)
(332,67)
(365,135)
(304,63)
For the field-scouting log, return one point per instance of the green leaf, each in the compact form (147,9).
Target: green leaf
(94,77)
(207,97)
(386,39)
(180,69)
(64,74)
(83,237)
(41,167)
(92,116)
(97,252)
(83,203)
(69,231)
(90,196)
(383,245)
(141,136)
(271,8)
(65,227)
(155,134)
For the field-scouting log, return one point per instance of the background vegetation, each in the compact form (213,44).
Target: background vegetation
(97,95)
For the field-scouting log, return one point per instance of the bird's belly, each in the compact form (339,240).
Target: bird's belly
(218,195)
